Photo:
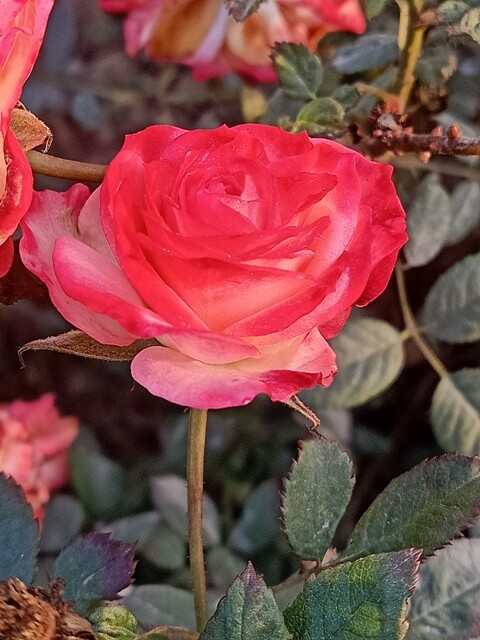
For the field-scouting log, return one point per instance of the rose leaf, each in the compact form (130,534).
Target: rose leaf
(18,532)
(94,567)
(300,72)
(156,605)
(455,412)
(466,208)
(317,493)
(369,52)
(428,222)
(370,357)
(452,306)
(422,508)
(248,610)
(445,602)
(362,599)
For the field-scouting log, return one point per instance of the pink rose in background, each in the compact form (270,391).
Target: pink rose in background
(33,444)
(201,34)
(239,250)
(22,27)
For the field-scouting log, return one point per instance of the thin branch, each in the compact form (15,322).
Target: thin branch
(389,133)
(411,325)
(48,165)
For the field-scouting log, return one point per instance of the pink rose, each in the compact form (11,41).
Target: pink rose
(201,34)
(22,26)
(33,443)
(239,250)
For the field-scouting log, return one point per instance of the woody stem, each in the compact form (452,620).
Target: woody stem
(48,165)
(197,428)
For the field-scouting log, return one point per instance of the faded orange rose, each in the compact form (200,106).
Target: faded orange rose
(34,439)
(201,34)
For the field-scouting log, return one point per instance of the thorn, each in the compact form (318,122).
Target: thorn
(454,131)
(425,156)
(437,131)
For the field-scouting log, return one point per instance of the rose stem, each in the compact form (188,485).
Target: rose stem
(411,325)
(197,428)
(49,165)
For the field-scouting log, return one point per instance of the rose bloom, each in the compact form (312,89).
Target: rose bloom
(22,26)
(33,443)
(239,250)
(201,34)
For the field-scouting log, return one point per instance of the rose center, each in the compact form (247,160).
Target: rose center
(230,185)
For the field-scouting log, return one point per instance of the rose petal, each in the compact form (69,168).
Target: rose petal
(51,216)
(162,372)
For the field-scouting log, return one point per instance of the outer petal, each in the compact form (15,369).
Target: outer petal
(53,215)
(282,371)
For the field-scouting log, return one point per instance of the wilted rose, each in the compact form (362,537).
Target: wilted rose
(239,250)
(22,27)
(201,34)
(33,442)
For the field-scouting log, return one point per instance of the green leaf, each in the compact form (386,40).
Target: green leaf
(368,52)
(445,603)
(317,493)
(169,633)
(466,211)
(164,548)
(455,412)
(64,519)
(452,10)
(428,222)
(300,73)
(135,528)
(169,496)
(347,95)
(369,357)
(259,522)
(103,487)
(469,25)
(436,66)
(422,508)
(286,595)
(18,532)
(159,604)
(374,8)
(452,306)
(94,567)
(322,112)
(362,599)
(241,9)
(223,566)
(247,611)
(113,622)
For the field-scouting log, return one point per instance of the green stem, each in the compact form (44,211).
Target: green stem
(412,327)
(410,42)
(197,429)
(48,165)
